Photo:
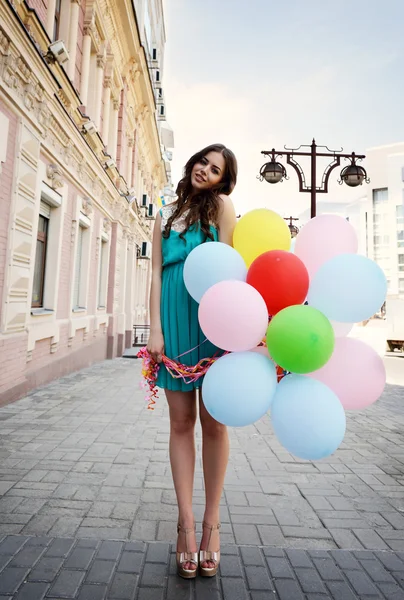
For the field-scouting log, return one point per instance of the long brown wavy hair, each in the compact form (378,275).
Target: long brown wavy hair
(204,206)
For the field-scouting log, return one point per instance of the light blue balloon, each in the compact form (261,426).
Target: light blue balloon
(348,288)
(211,263)
(307,417)
(238,388)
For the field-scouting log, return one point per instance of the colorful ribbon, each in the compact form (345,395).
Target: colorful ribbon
(189,374)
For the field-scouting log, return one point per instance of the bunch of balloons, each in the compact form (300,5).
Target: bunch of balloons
(266,305)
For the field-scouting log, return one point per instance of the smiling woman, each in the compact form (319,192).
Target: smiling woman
(203,213)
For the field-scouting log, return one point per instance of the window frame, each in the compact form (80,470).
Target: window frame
(56,20)
(41,237)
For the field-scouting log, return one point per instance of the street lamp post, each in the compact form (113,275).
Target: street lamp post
(294,230)
(274,171)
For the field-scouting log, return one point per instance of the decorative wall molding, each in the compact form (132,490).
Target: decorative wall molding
(54,173)
(86,206)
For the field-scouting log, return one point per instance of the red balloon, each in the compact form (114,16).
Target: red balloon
(281,278)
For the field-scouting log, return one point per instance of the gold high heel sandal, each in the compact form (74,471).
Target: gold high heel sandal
(184,557)
(208,555)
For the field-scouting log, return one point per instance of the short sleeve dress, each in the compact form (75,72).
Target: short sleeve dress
(183,338)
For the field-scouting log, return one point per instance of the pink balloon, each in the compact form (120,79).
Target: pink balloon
(341,329)
(261,350)
(233,316)
(322,238)
(355,372)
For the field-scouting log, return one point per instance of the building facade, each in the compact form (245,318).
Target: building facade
(83,166)
(382,213)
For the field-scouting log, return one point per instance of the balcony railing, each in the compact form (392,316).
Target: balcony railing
(140,335)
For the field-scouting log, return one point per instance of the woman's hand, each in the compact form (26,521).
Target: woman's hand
(155,345)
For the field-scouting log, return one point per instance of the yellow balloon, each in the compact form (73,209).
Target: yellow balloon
(259,231)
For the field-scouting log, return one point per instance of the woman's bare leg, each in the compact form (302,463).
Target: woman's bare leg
(215,455)
(182,408)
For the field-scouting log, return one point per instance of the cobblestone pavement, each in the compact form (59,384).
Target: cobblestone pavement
(85,479)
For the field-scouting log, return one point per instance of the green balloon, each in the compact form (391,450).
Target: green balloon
(300,339)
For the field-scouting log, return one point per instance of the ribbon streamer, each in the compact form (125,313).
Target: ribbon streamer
(189,374)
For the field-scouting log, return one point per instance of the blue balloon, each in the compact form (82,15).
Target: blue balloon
(348,288)
(209,264)
(238,388)
(307,417)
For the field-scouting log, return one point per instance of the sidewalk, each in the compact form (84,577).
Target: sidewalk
(85,479)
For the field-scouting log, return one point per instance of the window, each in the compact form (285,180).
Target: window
(380,196)
(103,274)
(401,285)
(78,269)
(40,256)
(401,262)
(56,26)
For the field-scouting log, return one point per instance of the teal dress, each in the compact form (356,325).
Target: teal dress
(179,311)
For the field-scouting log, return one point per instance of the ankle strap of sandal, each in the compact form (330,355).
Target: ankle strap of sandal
(211,527)
(185,529)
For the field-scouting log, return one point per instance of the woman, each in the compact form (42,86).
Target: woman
(202,213)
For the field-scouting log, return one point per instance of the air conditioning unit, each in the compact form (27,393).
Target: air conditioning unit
(161,112)
(145,250)
(154,56)
(145,201)
(151,211)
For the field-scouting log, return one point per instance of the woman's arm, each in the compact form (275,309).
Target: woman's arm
(227,220)
(156,340)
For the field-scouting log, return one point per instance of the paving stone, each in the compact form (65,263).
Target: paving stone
(340,590)
(27,557)
(327,569)
(206,588)
(251,557)
(234,589)
(391,561)
(87,544)
(279,568)
(153,594)
(101,571)
(60,547)
(288,589)
(92,592)
(157,553)
(66,584)
(135,547)
(80,558)
(123,586)
(345,560)
(310,581)
(258,578)
(246,534)
(391,591)
(370,539)
(38,541)
(131,562)
(153,575)
(230,566)
(11,579)
(109,550)
(32,591)
(46,569)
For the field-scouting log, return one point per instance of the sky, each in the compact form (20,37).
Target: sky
(259,74)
